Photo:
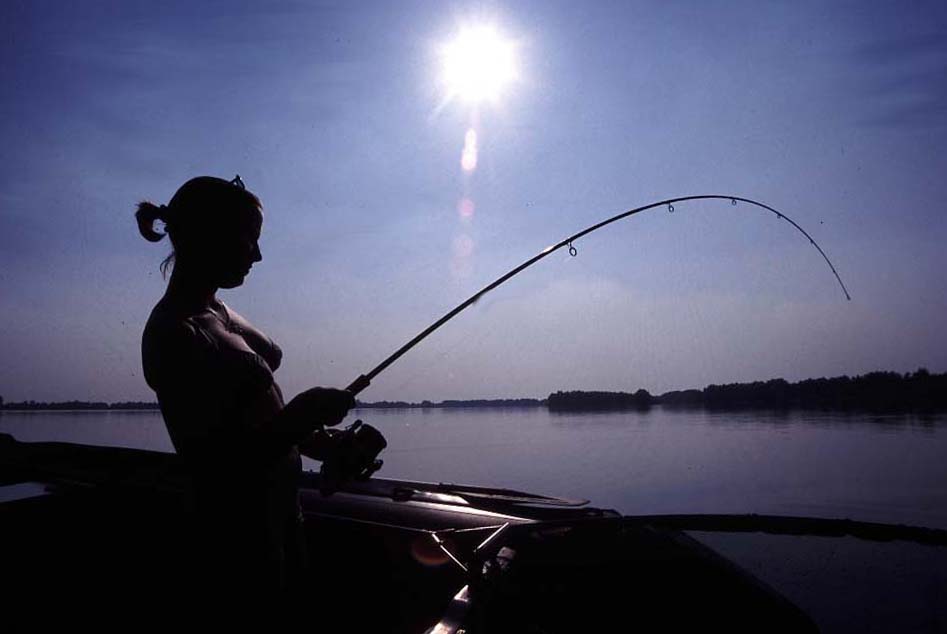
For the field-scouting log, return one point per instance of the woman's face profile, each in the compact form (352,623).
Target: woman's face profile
(238,248)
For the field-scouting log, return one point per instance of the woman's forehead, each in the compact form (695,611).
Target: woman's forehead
(251,216)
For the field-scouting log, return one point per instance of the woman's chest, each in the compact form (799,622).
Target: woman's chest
(223,337)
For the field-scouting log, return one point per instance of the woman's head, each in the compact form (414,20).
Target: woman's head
(213,225)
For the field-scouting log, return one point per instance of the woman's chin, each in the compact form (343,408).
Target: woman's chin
(233,281)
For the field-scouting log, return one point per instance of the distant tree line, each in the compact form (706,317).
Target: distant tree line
(143,405)
(495,402)
(77,405)
(598,401)
(876,391)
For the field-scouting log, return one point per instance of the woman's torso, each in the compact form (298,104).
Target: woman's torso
(213,375)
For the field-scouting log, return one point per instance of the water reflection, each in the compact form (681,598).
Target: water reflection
(656,461)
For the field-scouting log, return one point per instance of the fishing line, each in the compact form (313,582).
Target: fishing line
(365,380)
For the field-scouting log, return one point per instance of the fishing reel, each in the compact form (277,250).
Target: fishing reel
(352,455)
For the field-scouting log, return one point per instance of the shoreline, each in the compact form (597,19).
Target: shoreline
(589,410)
(874,392)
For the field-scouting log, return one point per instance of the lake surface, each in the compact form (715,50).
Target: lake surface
(890,468)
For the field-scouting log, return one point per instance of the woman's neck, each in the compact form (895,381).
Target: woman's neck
(189,291)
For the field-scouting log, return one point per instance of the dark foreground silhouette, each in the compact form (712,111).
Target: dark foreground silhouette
(212,373)
(112,535)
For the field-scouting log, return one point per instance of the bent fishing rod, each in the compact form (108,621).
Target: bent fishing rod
(365,380)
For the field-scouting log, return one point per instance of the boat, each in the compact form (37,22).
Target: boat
(92,524)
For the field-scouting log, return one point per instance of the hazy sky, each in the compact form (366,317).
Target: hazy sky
(334,114)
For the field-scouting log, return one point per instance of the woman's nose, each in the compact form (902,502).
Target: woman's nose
(257,255)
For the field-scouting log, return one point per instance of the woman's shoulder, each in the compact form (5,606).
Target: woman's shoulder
(171,341)
(169,327)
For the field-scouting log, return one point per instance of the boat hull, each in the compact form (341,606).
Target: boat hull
(102,526)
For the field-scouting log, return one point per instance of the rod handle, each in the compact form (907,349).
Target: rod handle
(359,384)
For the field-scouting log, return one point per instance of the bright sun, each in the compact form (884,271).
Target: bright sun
(478,64)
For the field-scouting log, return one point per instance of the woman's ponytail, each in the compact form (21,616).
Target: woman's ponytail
(146,215)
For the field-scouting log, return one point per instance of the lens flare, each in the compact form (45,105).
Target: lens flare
(463,246)
(466,208)
(426,552)
(468,157)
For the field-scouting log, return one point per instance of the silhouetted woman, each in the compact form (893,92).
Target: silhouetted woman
(213,375)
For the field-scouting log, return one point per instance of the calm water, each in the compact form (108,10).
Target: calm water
(882,468)
(879,468)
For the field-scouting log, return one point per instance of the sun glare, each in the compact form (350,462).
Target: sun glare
(478,64)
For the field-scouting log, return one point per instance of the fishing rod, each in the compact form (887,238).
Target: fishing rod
(365,380)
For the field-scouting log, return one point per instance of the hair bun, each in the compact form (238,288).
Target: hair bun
(146,215)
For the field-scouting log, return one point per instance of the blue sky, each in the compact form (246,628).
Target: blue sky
(835,113)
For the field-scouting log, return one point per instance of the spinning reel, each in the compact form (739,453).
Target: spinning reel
(352,455)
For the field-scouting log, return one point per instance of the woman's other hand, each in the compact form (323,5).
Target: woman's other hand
(324,405)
